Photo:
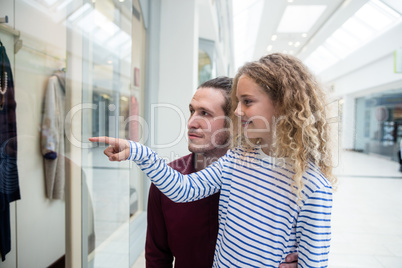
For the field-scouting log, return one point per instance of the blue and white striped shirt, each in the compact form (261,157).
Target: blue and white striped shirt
(260,222)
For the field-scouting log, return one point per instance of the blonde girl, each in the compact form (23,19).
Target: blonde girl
(275,183)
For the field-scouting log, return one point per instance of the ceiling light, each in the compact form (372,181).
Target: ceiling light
(304,35)
(290,43)
(290,1)
(269,48)
(300,18)
(297,44)
(274,37)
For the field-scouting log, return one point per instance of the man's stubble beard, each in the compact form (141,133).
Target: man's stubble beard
(214,149)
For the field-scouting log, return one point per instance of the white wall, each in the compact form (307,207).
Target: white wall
(177,75)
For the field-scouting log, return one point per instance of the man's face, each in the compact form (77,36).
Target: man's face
(206,125)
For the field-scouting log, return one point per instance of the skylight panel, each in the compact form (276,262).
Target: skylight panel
(100,36)
(321,59)
(346,38)
(79,12)
(300,18)
(373,16)
(367,23)
(337,47)
(118,39)
(86,22)
(327,56)
(386,9)
(359,29)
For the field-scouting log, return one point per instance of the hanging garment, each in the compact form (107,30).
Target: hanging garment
(52,136)
(9,186)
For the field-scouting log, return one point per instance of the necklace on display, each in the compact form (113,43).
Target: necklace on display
(3,83)
(3,80)
(3,77)
(3,89)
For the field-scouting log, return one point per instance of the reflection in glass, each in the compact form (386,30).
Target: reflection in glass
(106,79)
(204,67)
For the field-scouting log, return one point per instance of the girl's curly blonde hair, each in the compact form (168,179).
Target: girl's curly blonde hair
(301,129)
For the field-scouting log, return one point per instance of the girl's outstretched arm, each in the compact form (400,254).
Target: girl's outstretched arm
(178,187)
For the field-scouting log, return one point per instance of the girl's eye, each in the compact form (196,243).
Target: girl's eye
(246,102)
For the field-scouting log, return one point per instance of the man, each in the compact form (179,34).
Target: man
(187,232)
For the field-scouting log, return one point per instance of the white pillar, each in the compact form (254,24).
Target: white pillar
(178,72)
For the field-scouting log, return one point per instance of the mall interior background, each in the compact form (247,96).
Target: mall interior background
(131,68)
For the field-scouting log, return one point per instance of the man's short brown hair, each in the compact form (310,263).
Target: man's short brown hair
(224,84)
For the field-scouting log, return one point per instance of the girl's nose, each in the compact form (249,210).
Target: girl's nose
(238,111)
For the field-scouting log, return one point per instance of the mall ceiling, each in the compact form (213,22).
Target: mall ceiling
(300,27)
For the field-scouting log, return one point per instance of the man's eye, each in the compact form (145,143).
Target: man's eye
(203,113)
(191,111)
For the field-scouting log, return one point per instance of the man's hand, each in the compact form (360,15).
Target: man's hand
(291,261)
(118,150)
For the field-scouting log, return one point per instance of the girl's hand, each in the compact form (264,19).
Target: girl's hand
(118,150)
(291,261)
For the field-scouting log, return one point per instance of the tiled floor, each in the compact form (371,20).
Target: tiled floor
(367,214)
(367,223)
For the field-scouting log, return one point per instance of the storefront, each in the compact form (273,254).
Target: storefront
(78,70)
(379,123)
(84,68)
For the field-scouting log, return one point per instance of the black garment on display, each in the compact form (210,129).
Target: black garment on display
(9,186)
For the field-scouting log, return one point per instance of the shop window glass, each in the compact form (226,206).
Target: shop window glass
(206,60)
(379,124)
(78,68)
(204,67)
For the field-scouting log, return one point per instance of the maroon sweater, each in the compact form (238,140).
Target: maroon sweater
(187,231)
